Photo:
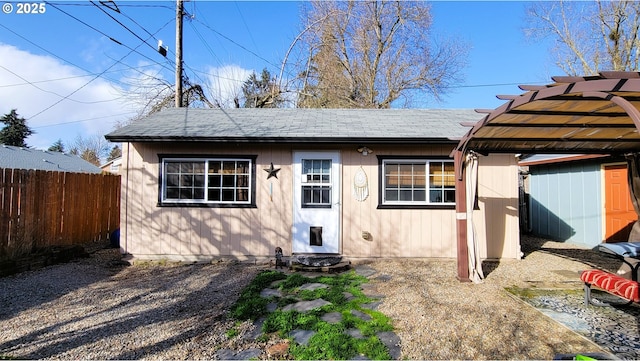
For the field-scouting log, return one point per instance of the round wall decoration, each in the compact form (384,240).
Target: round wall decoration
(360,185)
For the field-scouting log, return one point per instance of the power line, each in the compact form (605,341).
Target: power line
(206,45)
(73,92)
(115,40)
(491,85)
(81,120)
(204,42)
(43,49)
(54,93)
(238,44)
(33,83)
(124,26)
(27,82)
(170,52)
(146,75)
(84,3)
(140,26)
(94,78)
(218,76)
(67,97)
(72,63)
(245,25)
(195,72)
(85,24)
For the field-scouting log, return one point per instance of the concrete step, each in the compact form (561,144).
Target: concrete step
(342,266)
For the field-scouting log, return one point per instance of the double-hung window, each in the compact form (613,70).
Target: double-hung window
(417,182)
(207,181)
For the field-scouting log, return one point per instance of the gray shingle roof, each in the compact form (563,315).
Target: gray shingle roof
(26,158)
(295,125)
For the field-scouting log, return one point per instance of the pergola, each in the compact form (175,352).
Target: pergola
(575,115)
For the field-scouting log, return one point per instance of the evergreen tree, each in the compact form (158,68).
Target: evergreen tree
(261,93)
(116,152)
(15,130)
(57,146)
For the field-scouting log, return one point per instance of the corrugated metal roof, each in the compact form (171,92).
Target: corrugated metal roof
(595,114)
(295,125)
(27,158)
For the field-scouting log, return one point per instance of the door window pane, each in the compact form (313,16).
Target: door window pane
(316,183)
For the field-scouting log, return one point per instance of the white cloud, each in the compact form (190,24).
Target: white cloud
(59,101)
(225,84)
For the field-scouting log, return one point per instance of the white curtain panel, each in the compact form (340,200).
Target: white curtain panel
(471,182)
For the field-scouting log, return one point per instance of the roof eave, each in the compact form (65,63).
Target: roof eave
(283,140)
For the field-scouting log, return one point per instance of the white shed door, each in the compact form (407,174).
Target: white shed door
(316,202)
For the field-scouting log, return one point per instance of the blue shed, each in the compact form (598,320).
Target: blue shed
(579,199)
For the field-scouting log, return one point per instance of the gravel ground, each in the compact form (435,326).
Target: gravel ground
(97,308)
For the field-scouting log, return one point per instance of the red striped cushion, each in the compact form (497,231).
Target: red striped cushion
(612,283)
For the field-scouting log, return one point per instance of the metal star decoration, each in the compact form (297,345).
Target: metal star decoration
(272,171)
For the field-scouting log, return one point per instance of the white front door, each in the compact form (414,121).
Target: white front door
(316,202)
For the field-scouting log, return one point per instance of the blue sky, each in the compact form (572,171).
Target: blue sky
(65,73)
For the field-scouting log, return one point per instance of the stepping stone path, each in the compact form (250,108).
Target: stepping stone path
(361,315)
(272,307)
(372,305)
(312,286)
(365,271)
(348,296)
(270,292)
(226,354)
(392,341)
(332,317)
(354,332)
(304,306)
(257,330)
(302,337)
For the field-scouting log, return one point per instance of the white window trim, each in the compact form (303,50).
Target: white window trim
(426,162)
(204,201)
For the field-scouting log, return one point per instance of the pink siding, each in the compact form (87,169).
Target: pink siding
(497,222)
(193,233)
(190,233)
(395,232)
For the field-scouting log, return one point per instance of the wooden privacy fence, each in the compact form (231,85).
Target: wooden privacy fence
(40,209)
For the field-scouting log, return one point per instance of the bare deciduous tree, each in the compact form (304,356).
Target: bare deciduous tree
(93,149)
(149,93)
(589,36)
(369,54)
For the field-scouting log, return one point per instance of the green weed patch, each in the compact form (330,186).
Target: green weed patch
(330,340)
(250,305)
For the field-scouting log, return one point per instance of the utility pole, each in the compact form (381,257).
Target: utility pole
(179,15)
